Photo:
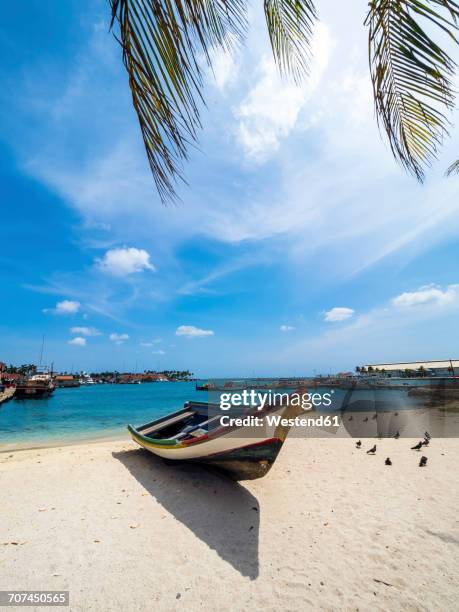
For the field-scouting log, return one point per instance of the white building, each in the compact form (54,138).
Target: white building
(446,367)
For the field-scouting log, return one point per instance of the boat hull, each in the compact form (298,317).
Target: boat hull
(244,453)
(33,392)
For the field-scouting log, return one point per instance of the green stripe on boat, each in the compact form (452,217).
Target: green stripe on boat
(155,442)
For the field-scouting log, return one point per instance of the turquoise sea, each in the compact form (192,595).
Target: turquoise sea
(86,412)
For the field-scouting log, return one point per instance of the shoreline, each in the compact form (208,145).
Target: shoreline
(62,442)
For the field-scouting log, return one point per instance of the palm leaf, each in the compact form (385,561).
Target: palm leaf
(161,41)
(453,169)
(411,75)
(290,25)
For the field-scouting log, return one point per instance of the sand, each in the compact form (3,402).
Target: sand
(329,528)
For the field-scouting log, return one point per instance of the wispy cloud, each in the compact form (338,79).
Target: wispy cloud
(85,331)
(338,314)
(272,107)
(118,338)
(286,328)
(190,331)
(78,341)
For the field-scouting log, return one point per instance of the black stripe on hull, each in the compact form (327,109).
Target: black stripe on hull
(246,463)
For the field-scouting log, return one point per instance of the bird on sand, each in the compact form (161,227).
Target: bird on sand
(372,450)
(423,461)
(358,444)
(365,419)
(388,461)
(397,435)
(350,418)
(418,446)
(375,416)
(425,442)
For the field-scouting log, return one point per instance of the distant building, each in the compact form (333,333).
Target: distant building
(447,367)
(65,380)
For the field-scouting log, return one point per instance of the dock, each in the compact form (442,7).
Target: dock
(7,394)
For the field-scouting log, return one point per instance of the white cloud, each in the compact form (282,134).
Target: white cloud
(338,314)
(160,352)
(119,338)
(270,110)
(429,295)
(63,308)
(124,261)
(190,331)
(286,328)
(225,69)
(151,342)
(78,341)
(85,331)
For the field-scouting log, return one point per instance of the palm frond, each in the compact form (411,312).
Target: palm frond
(290,26)
(161,42)
(411,75)
(453,169)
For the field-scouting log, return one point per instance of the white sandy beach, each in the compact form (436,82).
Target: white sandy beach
(329,528)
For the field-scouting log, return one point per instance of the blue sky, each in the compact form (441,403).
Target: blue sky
(299,245)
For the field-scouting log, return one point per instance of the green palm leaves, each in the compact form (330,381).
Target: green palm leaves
(411,75)
(290,27)
(163,42)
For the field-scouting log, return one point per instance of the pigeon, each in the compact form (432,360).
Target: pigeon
(350,418)
(426,442)
(388,461)
(418,446)
(365,419)
(396,414)
(358,444)
(372,450)
(397,435)
(375,416)
(427,435)
(423,461)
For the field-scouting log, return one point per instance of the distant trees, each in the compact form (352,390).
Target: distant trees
(26,368)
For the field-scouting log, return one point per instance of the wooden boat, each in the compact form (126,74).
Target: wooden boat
(35,387)
(197,433)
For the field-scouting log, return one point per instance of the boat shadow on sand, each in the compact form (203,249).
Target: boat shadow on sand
(219,511)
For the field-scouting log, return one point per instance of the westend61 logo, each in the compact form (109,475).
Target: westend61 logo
(259,400)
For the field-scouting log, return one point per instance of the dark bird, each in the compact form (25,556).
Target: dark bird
(397,435)
(427,435)
(423,461)
(350,418)
(359,444)
(375,416)
(372,450)
(418,446)
(396,414)
(365,419)
(388,461)
(426,442)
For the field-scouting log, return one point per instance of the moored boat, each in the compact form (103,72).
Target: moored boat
(35,387)
(201,432)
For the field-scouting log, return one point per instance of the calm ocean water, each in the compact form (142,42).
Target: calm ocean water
(90,411)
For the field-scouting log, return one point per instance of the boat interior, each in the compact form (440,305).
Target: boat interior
(194,420)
